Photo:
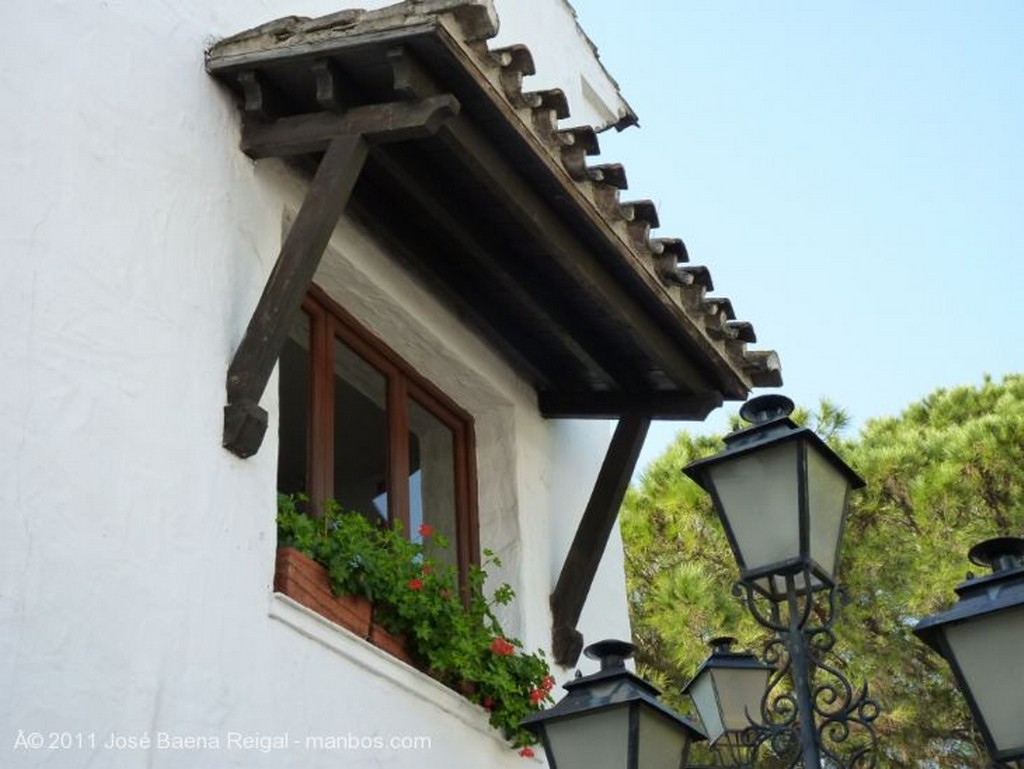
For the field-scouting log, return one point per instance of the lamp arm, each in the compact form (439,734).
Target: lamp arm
(809,721)
(745,592)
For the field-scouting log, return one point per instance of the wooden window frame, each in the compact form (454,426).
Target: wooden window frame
(328,321)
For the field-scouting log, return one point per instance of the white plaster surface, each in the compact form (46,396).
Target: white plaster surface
(554,37)
(136,555)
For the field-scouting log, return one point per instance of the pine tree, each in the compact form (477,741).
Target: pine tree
(944,475)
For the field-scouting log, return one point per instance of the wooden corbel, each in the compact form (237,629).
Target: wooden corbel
(345,140)
(595,527)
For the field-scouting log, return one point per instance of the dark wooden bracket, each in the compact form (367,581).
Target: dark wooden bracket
(345,141)
(609,405)
(595,527)
(375,123)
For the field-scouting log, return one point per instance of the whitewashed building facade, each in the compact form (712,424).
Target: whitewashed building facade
(495,271)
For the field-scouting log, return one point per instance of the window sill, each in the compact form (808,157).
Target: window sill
(348,645)
(305,581)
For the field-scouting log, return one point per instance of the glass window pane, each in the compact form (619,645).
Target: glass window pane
(294,401)
(360,434)
(431,478)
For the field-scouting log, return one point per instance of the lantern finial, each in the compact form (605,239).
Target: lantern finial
(765,408)
(722,644)
(611,653)
(999,553)
(612,719)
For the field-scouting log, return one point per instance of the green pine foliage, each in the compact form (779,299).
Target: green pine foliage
(945,474)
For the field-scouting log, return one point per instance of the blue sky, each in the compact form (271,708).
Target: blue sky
(852,173)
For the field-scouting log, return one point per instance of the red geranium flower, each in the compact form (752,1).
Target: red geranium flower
(426,530)
(502,647)
(548,683)
(415,584)
(488,704)
(537,696)
(526,752)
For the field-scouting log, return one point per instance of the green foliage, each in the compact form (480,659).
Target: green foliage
(944,475)
(450,631)
(678,570)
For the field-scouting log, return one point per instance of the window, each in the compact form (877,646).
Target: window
(359,425)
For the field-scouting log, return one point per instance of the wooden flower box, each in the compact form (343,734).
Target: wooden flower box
(306,582)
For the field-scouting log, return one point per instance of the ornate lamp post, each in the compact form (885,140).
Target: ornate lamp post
(727,690)
(980,637)
(612,719)
(781,494)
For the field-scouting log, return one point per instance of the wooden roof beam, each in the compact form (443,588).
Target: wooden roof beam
(612,405)
(530,211)
(452,223)
(375,123)
(536,218)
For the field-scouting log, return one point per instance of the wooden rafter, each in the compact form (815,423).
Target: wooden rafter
(566,250)
(556,321)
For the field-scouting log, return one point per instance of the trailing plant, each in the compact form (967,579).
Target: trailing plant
(451,631)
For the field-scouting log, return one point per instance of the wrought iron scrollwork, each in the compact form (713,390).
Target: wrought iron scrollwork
(807,691)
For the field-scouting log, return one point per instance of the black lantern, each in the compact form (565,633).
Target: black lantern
(612,719)
(781,494)
(981,637)
(727,691)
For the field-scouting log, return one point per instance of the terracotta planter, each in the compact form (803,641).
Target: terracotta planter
(466,688)
(305,581)
(392,644)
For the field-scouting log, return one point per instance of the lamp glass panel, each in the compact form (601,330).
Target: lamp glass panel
(595,740)
(740,691)
(987,650)
(777,583)
(826,496)
(662,741)
(758,494)
(705,700)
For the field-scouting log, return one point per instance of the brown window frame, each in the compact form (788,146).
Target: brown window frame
(328,320)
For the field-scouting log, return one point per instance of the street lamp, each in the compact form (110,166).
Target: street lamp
(612,719)
(727,691)
(980,637)
(781,494)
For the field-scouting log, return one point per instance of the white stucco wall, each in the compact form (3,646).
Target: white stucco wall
(136,555)
(554,38)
